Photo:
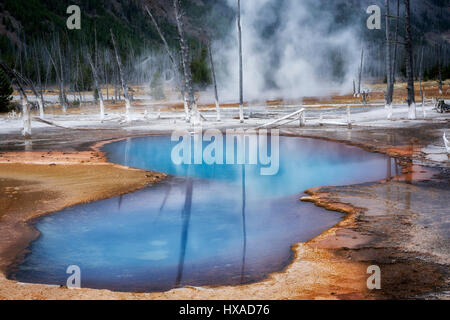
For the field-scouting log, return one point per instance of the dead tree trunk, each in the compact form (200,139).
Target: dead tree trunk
(241,72)
(166,46)
(96,84)
(122,80)
(186,63)
(62,96)
(421,73)
(389,90)
(394,63)
(174,64)
(62,88)
(360,72)
(422,92)
(441,90)
(105,71)
(40,97)
(216,95)
(79,79)
(409,62)
(26,114)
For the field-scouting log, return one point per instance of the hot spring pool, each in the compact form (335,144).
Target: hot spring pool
(205,225)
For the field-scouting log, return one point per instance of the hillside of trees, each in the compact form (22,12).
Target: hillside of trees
(34,38)
(28,25)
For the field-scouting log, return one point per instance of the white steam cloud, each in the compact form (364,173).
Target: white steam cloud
(291,50)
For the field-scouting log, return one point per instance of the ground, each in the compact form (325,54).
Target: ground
(400,224)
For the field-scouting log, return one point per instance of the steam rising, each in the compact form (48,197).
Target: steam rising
(291,49)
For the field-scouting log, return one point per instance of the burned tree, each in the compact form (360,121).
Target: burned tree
(97,86)
(360,72)
(62,86)
(78,78)
(105,71)
(26,112)
(174,64)
(439,51)
(40,94)
(59,71)
(409,62)
(389,91)
(422,92)
(441,90)
(394,62)
(122,79)
(186,63)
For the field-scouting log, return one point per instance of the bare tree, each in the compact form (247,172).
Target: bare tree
(409,62)
(78,79)
(360,72)
(439,50)
(389,91)
(122,80)
(394,62)
(421,73)
(186,63)
(59,73)
(62,90)
(174,64)
(97,86)
(40,97)
(422,91)
(105,71)
(241,72)
(440,54)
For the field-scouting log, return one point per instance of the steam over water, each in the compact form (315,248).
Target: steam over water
(291,49)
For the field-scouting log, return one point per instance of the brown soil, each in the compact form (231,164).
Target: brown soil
(431,89)
(39,183)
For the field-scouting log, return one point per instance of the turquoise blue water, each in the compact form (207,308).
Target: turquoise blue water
(205,225)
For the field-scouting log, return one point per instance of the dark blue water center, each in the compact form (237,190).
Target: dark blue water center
(205,225)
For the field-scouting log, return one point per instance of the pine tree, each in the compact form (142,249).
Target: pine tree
(6,92)
(201,75)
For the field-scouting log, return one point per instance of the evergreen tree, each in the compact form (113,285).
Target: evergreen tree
(201,75)
(6,92)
